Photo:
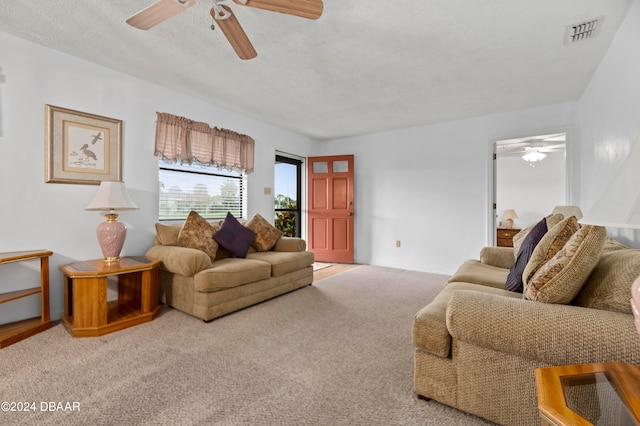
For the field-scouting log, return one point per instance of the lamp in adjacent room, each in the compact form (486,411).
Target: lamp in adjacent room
(509,215)
(111,234)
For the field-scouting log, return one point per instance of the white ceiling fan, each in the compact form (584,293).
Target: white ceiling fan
(165,9)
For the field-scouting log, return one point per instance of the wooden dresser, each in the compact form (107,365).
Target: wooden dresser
(504,236)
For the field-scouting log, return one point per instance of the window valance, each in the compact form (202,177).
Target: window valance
(184,140)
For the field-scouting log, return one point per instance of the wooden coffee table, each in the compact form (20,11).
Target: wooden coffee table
(589,394)
(87,311)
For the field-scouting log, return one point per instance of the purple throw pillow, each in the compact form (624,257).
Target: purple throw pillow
(514,279)
(234,237)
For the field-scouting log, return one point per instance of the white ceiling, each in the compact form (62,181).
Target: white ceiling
(363,67)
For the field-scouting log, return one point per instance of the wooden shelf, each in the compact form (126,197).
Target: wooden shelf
(19,330)
(14,332)
(13,295)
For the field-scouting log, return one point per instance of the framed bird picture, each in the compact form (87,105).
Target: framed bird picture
(82,148)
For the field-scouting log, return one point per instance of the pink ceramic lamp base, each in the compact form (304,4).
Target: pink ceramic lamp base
(111,235)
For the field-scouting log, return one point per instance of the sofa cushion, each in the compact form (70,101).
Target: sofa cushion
(560,279)
(549,245)
(430,332)
(197,233)
(167,234)
(473,271)
(609,286)
(180,260)
(514,279)
(502,257)
(266,235)
(230,272)
(284,262)
(234,237)
(290,244)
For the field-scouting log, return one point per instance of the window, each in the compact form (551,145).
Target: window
(208,190)
(288,190)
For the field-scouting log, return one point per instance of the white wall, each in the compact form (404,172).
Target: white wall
(608,115)
(532,192)
(35,214)
(429,187)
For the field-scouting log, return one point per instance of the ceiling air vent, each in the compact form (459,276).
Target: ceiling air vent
(583,30)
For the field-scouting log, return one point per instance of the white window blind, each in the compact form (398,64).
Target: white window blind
(208,190)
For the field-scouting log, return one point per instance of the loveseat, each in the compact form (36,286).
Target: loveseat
(477,344)
(201,277)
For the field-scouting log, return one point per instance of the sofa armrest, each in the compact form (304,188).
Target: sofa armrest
(290,244)
(552,334)
(501,257)
(180,260)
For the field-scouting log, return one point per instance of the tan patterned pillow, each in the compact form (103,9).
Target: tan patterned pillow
(266,235)
(197,233)
(549,245)
(609,286)
(560,279)
(519,238)
(552,220)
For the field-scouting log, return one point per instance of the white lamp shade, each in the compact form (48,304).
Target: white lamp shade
(568,211)
(509,214)
(112,196)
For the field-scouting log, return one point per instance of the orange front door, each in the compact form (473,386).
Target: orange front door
(330,209)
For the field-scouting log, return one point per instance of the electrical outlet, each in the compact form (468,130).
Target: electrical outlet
(397,243)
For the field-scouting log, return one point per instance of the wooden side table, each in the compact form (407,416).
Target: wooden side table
(87,311)
(504,236)
(589,394)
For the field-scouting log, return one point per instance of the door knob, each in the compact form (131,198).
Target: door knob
(350,214)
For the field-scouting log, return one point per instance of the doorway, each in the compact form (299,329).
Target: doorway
(530,179)
(288,195)
(330,208)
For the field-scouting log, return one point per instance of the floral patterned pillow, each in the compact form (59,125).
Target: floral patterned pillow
(549,245)
(561,278)
(266,235)
(197,233)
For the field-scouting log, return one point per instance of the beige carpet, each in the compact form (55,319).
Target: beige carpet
(335,353)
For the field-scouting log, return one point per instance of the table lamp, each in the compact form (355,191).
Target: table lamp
(111,196)
(568,211)
(509,215)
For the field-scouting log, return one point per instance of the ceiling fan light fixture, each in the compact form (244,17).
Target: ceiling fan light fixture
(533,156)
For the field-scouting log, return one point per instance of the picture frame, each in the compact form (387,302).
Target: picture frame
(81,148)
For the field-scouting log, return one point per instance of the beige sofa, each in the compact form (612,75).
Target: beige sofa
(477,345)
(192,283)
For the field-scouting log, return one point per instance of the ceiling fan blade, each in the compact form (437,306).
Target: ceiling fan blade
(158,12)
(234,32)
(310,9)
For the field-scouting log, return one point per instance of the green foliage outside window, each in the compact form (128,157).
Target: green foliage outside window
(285,219)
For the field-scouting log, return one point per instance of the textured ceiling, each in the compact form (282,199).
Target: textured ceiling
(363,67)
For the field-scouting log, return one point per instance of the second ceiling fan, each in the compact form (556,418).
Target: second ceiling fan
(226,20)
